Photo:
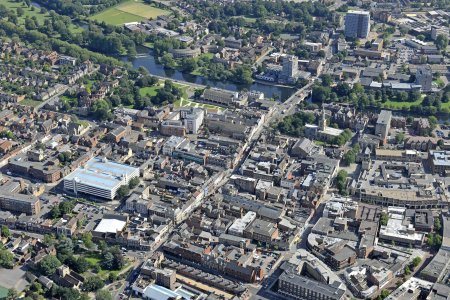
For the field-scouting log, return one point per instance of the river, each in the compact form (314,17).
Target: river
(149,62)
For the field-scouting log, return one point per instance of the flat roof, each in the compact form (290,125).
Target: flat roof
(110,226)
(101,173)
(358,12)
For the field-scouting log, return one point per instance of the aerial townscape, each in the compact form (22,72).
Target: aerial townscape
(224,149)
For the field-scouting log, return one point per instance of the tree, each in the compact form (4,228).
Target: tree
(93,283)
(437,223)
(167,61)
(123,191)
(66,207)
(384,218)
(48,265)
(60,292)
(327,80)
(103,295)
(5,231)
(400,137)
(188,65)
(433,121)
(407,271)
(6,259)
(134,182)
(416,261)
(64,248)
(384,294)
(20,11)
(441,42)
(12,294)
(108,261)
(349,157)
(55,212)
(79,265)
(341,181)
(87,240)
(242,74)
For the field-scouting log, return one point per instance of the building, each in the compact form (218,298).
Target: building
(437,30)
(261,231)
(439,292)
(67,60)
(400,229)
(398,155)
(290,67)
(100,178)
(307,278)
(193,119)
(424,77)
(439,161)
(313,47)
(322,131)
(383,125)
(357,24)
(219,97)
(27,204)
(173,128)
(239,225)
(232,42)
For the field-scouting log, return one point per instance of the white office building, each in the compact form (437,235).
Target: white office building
(193,119)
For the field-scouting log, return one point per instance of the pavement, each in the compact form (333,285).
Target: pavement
(13,278)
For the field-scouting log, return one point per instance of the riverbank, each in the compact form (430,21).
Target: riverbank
(148,61)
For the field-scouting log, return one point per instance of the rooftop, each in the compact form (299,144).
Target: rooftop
(101,173)
(110,226)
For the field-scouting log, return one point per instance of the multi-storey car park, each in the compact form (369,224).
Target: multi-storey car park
(100,178)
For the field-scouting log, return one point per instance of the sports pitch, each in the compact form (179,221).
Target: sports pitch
(129,11)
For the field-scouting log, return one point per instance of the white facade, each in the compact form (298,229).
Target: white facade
(193,119)
(100,178)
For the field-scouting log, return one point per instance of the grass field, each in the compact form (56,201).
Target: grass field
(129,11)
(150,91)
(30,102)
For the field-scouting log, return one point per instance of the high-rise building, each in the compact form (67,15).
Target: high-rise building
(290,66)
(357,24)
(383,124)
(424,77)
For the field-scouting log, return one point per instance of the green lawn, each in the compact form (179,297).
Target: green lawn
(150,91)
(149,45)
(401,105)
(93,259)
(33,12)
(247,19)
(30,102)
(129,11)
(188,103)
